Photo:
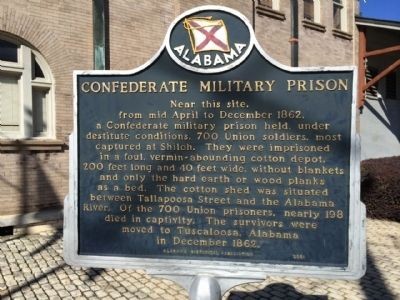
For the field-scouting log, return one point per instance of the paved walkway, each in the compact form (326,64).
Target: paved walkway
(32,267)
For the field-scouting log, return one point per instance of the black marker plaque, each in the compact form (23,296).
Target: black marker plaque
(213,153)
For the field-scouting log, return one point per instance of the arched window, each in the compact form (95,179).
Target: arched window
(339,15)
(26,92)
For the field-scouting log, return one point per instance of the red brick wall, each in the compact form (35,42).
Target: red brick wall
(61,30)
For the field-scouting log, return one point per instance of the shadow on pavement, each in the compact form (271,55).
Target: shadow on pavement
(373,283)
(36,279)
(275,291)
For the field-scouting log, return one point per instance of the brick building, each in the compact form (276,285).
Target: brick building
(43,41)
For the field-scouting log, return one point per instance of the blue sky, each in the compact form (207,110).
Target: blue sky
(381,9)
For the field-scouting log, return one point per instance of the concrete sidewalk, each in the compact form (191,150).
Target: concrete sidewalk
(32,267)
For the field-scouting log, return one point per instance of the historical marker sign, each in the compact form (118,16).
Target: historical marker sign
(214,158)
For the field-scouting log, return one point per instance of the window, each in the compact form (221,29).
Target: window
(312,15)
(271,4)
(270,8)
(339,15)
(8,51)
(309,10)
(267,3)
(26,93)
(312,11)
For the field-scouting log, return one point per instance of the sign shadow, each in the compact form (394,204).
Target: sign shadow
(275,291)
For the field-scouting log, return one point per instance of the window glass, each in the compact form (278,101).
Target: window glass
(337,11)
(267,3)
(9,102)
(339,21)
(8,51)
(37,71)
(39,111)
(309,10)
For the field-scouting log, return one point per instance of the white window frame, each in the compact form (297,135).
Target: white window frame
(343,14)
(26,84)
(316,11)
(275,4)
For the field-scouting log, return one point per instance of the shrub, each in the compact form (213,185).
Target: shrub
(380,187)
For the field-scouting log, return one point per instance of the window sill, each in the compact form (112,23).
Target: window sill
(314,26)
(341,34)
(268,12)
(32,145)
